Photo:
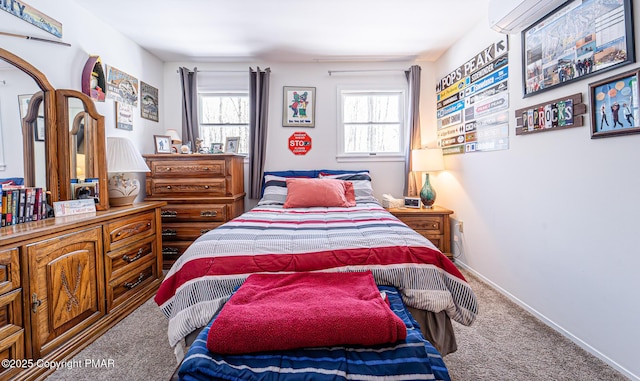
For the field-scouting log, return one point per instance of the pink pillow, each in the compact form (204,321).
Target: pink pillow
(306,193)
(349,193)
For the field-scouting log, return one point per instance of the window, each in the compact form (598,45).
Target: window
(372,123)
(222,115)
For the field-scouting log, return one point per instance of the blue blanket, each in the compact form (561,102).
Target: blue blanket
(410,359)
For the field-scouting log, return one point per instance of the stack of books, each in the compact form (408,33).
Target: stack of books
(20,204)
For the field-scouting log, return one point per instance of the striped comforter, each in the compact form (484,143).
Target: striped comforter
(274,239)
(411,359)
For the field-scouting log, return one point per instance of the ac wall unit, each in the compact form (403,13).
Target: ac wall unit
(513,16)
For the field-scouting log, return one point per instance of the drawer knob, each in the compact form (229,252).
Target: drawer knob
(168,168)
(35,303)
(208,213)
(129,259)
(169,250)
(168,186)
(206,168)
(131,285)
(206,187)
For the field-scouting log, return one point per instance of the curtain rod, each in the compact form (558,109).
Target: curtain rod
(218,71)
(362,71)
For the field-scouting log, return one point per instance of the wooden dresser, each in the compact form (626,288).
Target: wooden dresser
(202,192)
(65,281)
(432,223)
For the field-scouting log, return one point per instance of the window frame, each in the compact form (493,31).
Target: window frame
(343,156)
(222,93)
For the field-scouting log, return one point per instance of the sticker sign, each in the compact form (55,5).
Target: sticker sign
(300,143)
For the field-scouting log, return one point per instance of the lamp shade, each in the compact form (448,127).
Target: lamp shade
(123,157)
(427,160)
(175,138)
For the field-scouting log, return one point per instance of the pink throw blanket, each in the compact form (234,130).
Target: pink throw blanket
(288,311)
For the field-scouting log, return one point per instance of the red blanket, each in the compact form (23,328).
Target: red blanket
(288,311)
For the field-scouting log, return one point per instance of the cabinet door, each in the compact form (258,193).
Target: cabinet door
(66,289)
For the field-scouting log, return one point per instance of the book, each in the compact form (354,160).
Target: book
(14,206)
(8,213)
(3,208)
(22,202)
(37,199)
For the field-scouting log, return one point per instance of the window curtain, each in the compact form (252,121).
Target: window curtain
(190,128)
(415,140)
(258,123)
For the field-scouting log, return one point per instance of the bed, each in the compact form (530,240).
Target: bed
(353,234)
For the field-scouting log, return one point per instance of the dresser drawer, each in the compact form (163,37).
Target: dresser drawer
(183,187)
(172,250)
(11,312)
(425,223)
(121,261)
(196,212)
(11,348)
(125,231)
(121,289)
(188,168)
(186,231)
(9,270)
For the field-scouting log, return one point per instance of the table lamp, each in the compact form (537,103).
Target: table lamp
(175,138)
(122,159)
(427,160)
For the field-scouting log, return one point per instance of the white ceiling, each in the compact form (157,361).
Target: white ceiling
(288,30)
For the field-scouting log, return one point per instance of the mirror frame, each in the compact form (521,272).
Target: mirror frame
(51,137)
(56,115)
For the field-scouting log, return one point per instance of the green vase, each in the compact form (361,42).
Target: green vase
(427,193)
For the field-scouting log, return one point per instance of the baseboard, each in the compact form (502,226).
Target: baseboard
(551,324)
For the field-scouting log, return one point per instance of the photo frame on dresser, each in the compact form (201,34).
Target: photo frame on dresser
(615,105)
(162,143)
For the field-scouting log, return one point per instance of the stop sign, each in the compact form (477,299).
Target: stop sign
(300,143)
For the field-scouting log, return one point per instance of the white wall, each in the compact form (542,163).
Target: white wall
(63,65)
(552,221)
(388,177)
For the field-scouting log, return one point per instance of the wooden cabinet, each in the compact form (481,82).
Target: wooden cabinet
(201,191)
(432,223)
(11,322)
(67,280)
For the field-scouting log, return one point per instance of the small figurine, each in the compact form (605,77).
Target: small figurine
(199,142)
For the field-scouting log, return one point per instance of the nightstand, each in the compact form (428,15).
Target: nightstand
(432,223)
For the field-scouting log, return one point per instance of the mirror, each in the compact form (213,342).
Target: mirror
(62,135)
(31,125)
(82,131)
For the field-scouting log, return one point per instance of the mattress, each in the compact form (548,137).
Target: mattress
(270,239)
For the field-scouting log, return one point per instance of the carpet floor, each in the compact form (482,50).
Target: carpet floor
(504,343)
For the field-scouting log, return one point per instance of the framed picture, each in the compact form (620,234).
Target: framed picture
(615,105)
(231,145)
(124,116)
(217,148)
(148,102)
(162,143)
(23,102)
(299,106)
(83,190)
(38,132)
(578,40)
(122,87)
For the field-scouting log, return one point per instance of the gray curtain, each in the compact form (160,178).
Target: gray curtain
(190,128)
(415,141)
(258,123)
